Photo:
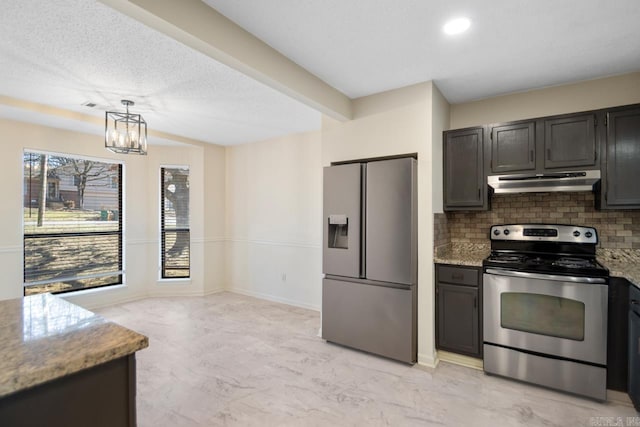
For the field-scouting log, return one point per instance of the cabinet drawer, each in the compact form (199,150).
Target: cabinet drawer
(458,275)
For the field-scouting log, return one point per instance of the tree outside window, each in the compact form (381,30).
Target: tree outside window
(72,223)
(175,233)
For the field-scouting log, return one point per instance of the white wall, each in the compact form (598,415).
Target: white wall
(214,218)
(575,97)
(141,211)
(273,219)
(440,117)
(390,123)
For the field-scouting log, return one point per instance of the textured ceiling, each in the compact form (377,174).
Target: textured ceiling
(366,46)
(66,52)
(63,53)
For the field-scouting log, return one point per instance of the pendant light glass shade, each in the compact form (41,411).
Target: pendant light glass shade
(125,133)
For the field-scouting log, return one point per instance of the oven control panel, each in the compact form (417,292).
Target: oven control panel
(544,232)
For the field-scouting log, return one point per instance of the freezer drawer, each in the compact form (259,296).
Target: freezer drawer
(376,319)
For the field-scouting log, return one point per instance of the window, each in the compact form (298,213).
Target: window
(72,230)
(174,223)
(52,190)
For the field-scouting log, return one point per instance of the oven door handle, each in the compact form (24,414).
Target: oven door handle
(575,279)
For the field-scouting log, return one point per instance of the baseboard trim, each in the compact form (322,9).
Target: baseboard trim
(459,359)
(95,305)
(619,397)
(428,361)
(214,291)
(175,293)
(272,298)
(153,293)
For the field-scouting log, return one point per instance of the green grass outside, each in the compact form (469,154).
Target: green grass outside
(53,219)
(31,214)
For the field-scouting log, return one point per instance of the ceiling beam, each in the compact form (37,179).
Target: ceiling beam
(195,24)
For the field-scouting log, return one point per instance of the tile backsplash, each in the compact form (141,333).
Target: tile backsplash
(441,234)
(616,229)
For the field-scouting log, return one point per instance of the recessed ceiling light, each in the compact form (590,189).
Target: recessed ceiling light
(456,26)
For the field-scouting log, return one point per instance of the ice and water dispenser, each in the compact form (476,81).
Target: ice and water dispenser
(338,231)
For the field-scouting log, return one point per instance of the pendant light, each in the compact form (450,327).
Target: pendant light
(125,133)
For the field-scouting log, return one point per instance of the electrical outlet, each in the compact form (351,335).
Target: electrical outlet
(284,277)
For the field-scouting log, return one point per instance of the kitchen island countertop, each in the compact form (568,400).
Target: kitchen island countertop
(45,338)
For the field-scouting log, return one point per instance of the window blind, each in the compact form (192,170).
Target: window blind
(72,216)
(175,237)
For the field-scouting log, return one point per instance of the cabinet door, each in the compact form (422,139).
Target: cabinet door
(617,334)
(342,194)
(390,242)
(634,356)
(513,147)
(570,141)
(464,186)
(458,319)
(623,159)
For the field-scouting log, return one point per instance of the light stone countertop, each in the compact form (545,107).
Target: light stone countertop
(470,254)
(45,337)
(623,263)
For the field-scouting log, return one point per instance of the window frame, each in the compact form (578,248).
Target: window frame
(121,272)
(161,232)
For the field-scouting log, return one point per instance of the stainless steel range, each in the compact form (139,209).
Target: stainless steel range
(545,307)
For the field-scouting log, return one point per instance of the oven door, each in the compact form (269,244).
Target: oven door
(547,314)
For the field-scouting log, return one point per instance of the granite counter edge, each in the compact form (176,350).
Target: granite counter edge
(86,361)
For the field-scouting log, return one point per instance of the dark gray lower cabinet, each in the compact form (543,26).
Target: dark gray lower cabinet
(634,346)
(617,334)
(458,310)
(101,396)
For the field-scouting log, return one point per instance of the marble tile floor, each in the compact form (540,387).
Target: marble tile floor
(229,359)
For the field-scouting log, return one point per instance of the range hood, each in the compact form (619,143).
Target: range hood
(544,182)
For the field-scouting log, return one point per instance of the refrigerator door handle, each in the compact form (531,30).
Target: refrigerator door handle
(363,221)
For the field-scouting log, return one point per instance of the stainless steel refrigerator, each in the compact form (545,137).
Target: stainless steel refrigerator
(369,259)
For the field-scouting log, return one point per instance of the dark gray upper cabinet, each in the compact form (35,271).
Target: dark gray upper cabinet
(606,140)
(570,141)
(464,178)
(621,175)
(513,147)
(547,144)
